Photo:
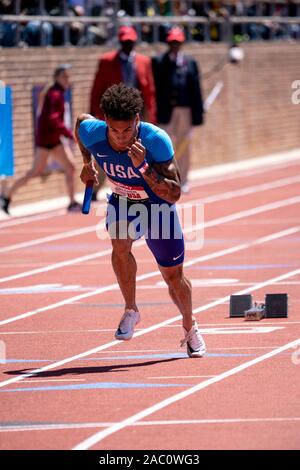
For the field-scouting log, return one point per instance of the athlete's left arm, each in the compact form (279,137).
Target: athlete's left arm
(162,178)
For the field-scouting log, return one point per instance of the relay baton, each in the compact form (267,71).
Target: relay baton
(87,197)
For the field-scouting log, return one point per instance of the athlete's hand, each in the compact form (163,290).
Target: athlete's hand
(137,153)
(89,172)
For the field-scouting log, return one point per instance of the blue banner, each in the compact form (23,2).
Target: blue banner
(6,132)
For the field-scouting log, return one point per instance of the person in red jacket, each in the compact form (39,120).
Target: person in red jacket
(129,67)
(50,129)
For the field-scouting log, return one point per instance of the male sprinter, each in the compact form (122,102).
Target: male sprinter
(138,159)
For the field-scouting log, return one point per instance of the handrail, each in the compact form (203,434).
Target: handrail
(186,19)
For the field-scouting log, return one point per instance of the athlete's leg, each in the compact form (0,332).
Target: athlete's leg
(125,268)
(180,290)
(36,170)
(64,155)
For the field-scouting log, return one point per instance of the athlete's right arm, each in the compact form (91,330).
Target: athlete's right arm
(89,171)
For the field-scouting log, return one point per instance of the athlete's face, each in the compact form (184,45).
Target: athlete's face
(122,134)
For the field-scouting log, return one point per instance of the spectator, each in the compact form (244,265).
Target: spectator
(35,33)
(7,30)
(50,129)
(124,65)
(179,98)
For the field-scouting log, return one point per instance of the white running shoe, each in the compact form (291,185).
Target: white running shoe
(194,342)
(126,326)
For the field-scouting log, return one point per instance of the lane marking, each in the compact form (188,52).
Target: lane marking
(34,218)
(146,330)
(169,355)
(231,330)
(204,176)
(181,377)
(209,224)
(142,277)
(93,386)
(99,436)
(50,238)
(53,380)
(81,231)
(95,255)
(54,427)
(275,184)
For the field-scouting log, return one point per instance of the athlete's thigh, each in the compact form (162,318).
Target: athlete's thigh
(165,238)
(123,219)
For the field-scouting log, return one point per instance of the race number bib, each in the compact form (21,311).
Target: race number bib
(135,193)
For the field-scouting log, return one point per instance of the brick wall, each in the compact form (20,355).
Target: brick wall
(252,116)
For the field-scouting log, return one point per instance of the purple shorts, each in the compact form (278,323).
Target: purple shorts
(158,223)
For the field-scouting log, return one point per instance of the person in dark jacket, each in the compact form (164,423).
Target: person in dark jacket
(178,98)
(50,129)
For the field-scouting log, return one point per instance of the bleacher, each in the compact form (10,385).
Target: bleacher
(94,22)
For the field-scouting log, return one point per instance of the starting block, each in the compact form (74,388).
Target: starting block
(276,306)
(238,305)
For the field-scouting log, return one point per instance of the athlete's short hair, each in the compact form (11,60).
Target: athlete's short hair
(121,102)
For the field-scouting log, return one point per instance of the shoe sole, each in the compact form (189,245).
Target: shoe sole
(123,339)
(192,353)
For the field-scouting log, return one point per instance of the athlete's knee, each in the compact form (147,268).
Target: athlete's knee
(121,248)
(174,278)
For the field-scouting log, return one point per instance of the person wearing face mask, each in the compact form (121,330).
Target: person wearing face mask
(50,129)
(178,97)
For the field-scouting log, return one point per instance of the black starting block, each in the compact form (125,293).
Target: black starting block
(238,305)
(276,306)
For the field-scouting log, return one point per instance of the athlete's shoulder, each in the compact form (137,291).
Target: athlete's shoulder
(91,131)
(157,142)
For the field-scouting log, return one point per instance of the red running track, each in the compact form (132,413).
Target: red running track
(60,307)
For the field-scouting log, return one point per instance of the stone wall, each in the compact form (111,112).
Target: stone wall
(253,115)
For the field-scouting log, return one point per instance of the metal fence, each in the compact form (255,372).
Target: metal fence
(72,27)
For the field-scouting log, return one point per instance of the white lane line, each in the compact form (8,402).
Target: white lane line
(249,212)
(227,195)
(234,323)
(142,277)
(209,224)
(53,380)
(144,331)
(176,377)
(249,190)
(100,435)
(250,166)
(62,264)
(192,422)
(33,218)
(202,177)
(50,238)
